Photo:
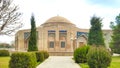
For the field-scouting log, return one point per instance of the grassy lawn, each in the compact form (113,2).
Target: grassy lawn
(114,64)
(4,62)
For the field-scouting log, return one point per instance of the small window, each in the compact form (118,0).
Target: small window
(51,44)
(62,44)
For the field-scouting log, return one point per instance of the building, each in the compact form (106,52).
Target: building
(58,36)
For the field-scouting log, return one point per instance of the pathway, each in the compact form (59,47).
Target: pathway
(59,62)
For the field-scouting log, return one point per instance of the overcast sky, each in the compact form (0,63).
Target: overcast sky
(79,12)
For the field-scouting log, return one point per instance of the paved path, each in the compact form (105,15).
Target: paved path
(59,62)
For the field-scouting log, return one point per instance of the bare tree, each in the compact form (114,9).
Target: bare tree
(9,17)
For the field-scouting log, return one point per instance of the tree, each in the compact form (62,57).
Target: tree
(115,42)
(9,17)
(95,34)
(32,46)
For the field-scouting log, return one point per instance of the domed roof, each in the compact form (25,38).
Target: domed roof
(58,19)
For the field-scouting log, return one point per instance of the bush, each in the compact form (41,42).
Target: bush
(23,60)
(80,54)
(46,54)
(98,57)
(4,53)
(39,56)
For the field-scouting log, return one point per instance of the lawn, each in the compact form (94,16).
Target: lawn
(114,64)
(4,62)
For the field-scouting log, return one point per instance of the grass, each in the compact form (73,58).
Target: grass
(114,64)
(4,62)
(84,65)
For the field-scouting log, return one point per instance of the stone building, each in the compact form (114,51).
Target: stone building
(58,36)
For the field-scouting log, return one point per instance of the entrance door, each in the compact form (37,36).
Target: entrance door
(81,44)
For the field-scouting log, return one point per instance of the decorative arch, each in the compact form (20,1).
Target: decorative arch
(82,40)
(83,35)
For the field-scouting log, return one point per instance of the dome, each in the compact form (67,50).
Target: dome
(58,19)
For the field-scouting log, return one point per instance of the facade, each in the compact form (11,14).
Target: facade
(58,36)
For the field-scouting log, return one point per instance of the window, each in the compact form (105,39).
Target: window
(51,44)
(26,35)
(51,33)
(62,44)
(62,34)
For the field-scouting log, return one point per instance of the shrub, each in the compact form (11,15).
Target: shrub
(80,54)
(23,60)
(46,54)
(98,57)
(4,53)
(39,56)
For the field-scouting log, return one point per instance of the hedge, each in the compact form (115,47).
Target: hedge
(39,56)
(98,57)
(80,54)
(4,53)
(23,60)
(46,54)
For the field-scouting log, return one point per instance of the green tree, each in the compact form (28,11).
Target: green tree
(32,46)
(95,34)
(115,42)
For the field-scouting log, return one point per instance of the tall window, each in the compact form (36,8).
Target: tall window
(51,44)
(62,44)
(63,38)
(51,33)
(51,38)
(62,34)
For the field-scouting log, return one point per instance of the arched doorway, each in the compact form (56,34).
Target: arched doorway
(82,40)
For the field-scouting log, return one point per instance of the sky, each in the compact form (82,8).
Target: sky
(79,12)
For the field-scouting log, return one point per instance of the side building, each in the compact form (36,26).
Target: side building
(58,36)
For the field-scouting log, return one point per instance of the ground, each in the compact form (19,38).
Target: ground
(59,62)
